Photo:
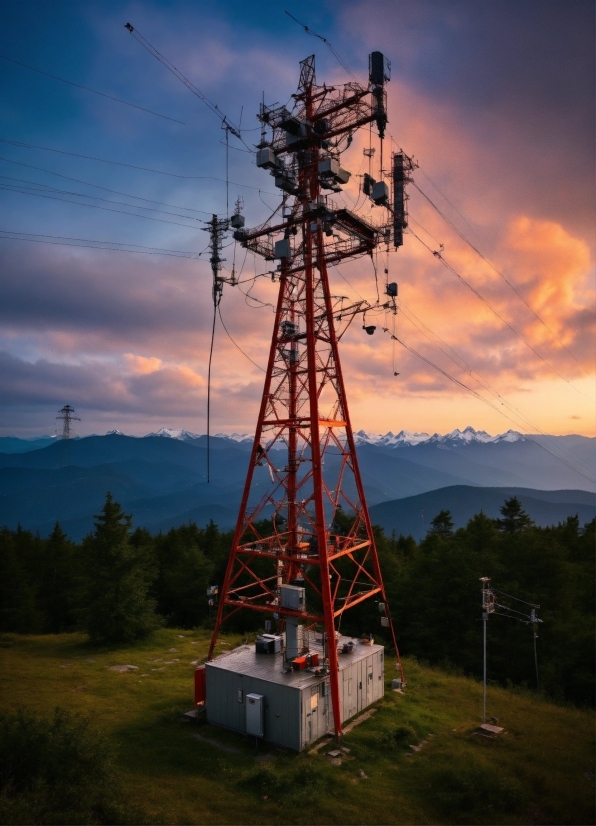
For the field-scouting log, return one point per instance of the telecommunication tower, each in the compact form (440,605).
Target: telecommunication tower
(303,472)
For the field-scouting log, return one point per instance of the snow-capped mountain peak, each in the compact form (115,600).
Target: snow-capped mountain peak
(174,433)
(404,438)
(457,437)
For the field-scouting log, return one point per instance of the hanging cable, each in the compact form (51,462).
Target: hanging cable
(215,305)
(105,188)
(40,187)
(438,254)
(328,44)
(460,362)
(258,366)
(93,91)
(189,85)
(489,403)
(497,271)
(129,165)
(92,206)
(60,240)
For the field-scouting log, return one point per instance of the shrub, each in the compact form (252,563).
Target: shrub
(55,769)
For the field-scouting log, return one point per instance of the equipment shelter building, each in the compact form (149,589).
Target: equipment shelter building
(251,693)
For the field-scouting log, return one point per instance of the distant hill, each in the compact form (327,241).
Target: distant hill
(413,514)
(11,444)
(162,478)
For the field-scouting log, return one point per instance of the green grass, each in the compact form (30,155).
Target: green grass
(539,771)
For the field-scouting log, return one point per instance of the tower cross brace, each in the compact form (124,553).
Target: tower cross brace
(303,475)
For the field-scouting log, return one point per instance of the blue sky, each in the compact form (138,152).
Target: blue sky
(496,101)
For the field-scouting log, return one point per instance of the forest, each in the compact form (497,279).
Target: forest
(121,583)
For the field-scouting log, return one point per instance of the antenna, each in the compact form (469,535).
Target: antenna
(217,227)
(304,417)
(489,606)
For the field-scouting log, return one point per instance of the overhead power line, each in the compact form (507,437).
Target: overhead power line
(105,188)
(22,191)
(490,404)
(87,89)
(326,42)
(53,189)
(47,187)
(494,268)
(91,243)
(462,364)
(131,166)
(439,255)
(226,124)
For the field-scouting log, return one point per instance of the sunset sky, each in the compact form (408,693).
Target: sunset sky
(495,100)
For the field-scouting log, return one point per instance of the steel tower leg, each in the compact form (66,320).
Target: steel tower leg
(303,485)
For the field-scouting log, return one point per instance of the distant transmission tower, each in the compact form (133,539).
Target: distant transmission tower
(66,415)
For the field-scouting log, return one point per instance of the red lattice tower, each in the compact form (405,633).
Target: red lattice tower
(304,455)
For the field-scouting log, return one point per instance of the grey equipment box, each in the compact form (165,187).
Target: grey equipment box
(282,248)
(255,715)
(292,596)
(268,644)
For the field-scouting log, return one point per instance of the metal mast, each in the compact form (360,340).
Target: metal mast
(66,415)
(303,472)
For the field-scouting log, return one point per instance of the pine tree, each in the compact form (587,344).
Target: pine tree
(57,590)
(442,525)
(119,575)
(515,519)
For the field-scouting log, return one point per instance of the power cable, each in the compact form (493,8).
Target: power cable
(438,254)
(93,206)
(90,243)
(328,44)
(189,85)
(258,366)
(215,303)
(46,187)
(464,365)
(488,402)
(87,89)
(23,145)
(495,269)
(498,591)
(105,188)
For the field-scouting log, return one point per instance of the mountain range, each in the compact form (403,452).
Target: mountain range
(161,478)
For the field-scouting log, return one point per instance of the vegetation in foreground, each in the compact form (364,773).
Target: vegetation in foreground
(120,584)
(541,770)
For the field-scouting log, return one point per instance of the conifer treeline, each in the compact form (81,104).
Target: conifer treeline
(120,583)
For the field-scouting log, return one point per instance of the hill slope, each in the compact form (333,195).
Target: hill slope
(540,770)
(162,480)
(413,514)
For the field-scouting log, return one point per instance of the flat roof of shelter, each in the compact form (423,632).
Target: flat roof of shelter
(269,667)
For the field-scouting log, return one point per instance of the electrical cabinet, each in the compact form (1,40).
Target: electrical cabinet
(255,715)
(292,596)
(282,248)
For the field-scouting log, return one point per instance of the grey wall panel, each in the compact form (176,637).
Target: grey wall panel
(293,719)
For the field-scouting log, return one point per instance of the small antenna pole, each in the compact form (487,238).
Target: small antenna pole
(488,607)
(217,227)
(534,620)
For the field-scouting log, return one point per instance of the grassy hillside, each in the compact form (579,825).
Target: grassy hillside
(541,770)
